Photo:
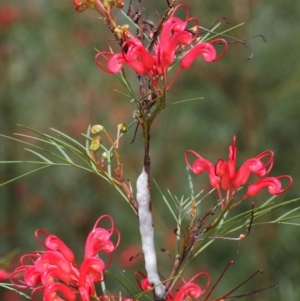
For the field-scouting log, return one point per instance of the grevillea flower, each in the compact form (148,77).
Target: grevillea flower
(144,284)
(223,175)
(54,271)
(190,290)
(173,40)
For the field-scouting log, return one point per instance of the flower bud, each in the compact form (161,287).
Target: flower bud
(97,128)
(105,155)
(105,4)
(120,4)
(123,127)
(95,143)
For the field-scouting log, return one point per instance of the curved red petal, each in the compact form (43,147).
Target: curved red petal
(273,184)
(107,55)
(220,41)
(54,243)
(206,50)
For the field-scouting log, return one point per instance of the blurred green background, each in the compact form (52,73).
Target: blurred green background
(49,79)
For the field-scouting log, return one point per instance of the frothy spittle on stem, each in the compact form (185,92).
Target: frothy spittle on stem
(143,198)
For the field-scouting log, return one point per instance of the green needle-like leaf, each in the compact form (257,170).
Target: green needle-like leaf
(11,288)
(166,201)
(68,138)
(25,174)
(283,216)
(39,155)
(60,148)
(184,101)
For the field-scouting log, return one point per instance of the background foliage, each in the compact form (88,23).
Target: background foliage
(49,79)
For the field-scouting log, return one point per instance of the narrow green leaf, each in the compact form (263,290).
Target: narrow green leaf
(31,137)
(126,83)
(72,148)
(176,202)
(49,140)
(204,38)
(218,34)
(10,287)
(286,214)
(122,283)
(289,224)
(39,155)
(52,141)
(63,152)
(124,94)
(166,201)
(198,195)
(57,143)
(68,138)
(21,141)
(184,101)
(25,174)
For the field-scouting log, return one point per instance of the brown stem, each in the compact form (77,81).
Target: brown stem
(189,242)
(146,137)
(122,184)
(110,23)
(160,25)
(140,22)
(144,83)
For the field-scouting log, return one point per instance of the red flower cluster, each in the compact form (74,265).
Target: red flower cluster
(54,271)
(223,175)
(174,37)
(190,289)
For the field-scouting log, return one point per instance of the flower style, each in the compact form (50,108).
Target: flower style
(54,271)
(173,39)
(224,177)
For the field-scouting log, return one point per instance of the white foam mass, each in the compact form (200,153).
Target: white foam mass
(143,198)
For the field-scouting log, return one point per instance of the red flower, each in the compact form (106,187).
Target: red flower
(173,39)
(144,284)
(273,184)
(50,293)
(99,239)
(54,270)
(223,174)
(190,290)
